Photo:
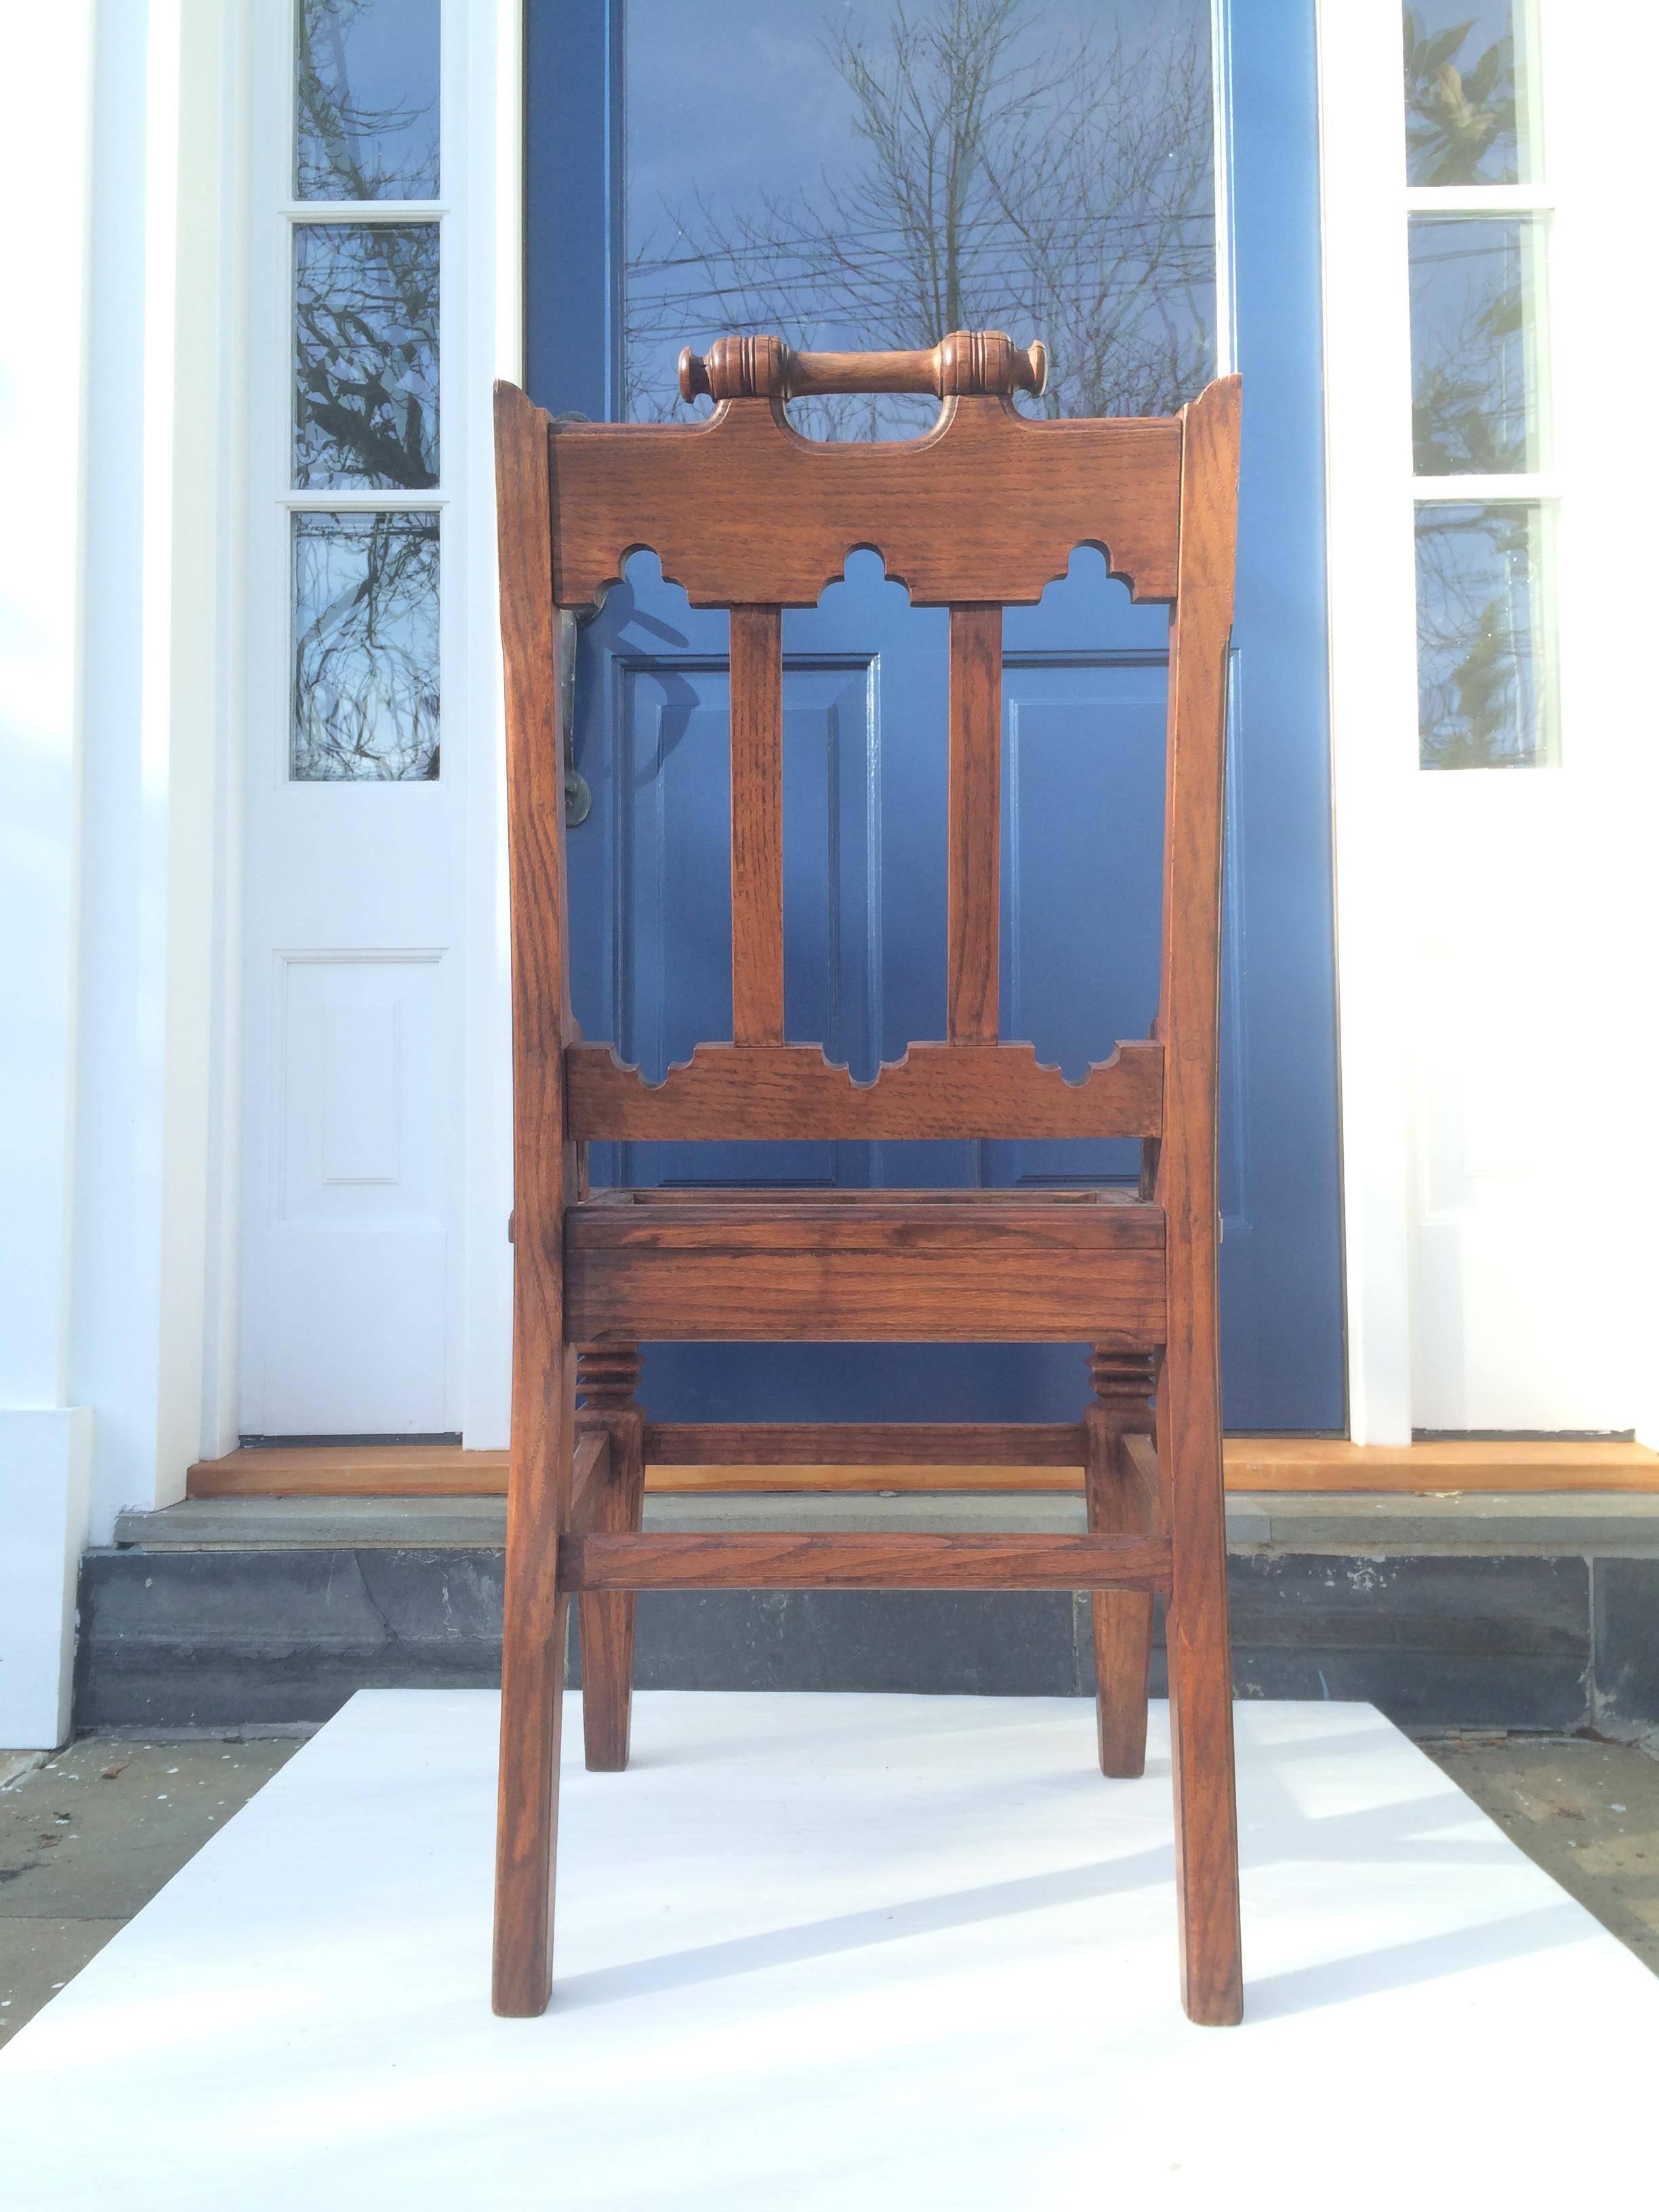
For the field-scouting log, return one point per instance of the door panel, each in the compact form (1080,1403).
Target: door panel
(865,710)
(352,796)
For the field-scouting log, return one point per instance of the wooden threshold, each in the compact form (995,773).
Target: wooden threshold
(1253,1463)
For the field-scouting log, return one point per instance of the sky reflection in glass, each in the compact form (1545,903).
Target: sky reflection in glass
(1476,385)
(867,176)
(365,696)
(366,99)
(1486,691)
(366,357)
(1468,93)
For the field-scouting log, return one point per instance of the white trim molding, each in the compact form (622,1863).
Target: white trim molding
(1496,938)
(1373,683)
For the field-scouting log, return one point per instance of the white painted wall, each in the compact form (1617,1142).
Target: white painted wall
(117,576)
(492,343)
(1496,935)
(159,527)
(46,158)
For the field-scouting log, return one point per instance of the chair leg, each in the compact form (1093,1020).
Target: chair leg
(1121,1619)
(532,1684)
(606,1379)
(1200,1699)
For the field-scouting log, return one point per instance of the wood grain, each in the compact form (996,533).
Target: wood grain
(882,1270)
(590,1478)
(1118,1504)
(610,1503)
(973,868)
(914,1562)
(1253,1466)
(544,1177)
(791,1091)
(984,511)
(868,1443)
(763,368)
(756,826)
(743,511)
(1189,1394)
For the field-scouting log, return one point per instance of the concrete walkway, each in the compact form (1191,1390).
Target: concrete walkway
(88,1838)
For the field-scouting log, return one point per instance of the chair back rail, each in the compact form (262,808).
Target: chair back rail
(985,510)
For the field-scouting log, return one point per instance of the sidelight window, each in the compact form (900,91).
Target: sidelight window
(1478,216)
(364,484)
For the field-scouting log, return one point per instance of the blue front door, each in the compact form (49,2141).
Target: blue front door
(691,172)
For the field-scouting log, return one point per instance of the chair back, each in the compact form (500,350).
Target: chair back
(982,512)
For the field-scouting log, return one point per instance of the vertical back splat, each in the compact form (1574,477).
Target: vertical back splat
(974,896)
(756,826)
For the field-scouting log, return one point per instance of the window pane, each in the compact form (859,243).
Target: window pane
(366,99)
(1477,390)
(1469,89)
(1485,684)
(365,648)
(366,357)
(853,175)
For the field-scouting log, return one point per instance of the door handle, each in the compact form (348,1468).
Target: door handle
(578,798)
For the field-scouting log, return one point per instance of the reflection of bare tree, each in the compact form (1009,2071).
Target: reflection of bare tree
(1470,413)
(1463,126)
(365,687)
(1482,696)
(366,354)
(1060,189)
(365,647)
(345,150)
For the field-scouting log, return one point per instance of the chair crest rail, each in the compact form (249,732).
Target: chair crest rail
(743,510)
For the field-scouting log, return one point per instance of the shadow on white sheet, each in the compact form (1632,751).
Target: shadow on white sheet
(828,1951)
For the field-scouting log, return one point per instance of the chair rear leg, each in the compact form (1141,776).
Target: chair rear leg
(532,1684)
(1121,1619)
(1201,1701)
(606,1379)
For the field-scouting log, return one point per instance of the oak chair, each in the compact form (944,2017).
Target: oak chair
(745,514)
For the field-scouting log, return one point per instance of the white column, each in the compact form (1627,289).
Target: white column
(45,172)
(118,420)
(490,344)
(1373,685)
(160,537)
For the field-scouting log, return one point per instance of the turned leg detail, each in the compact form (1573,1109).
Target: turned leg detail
(607,1376)
(1123,1383)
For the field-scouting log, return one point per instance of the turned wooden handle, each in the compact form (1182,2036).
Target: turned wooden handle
(766,368)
